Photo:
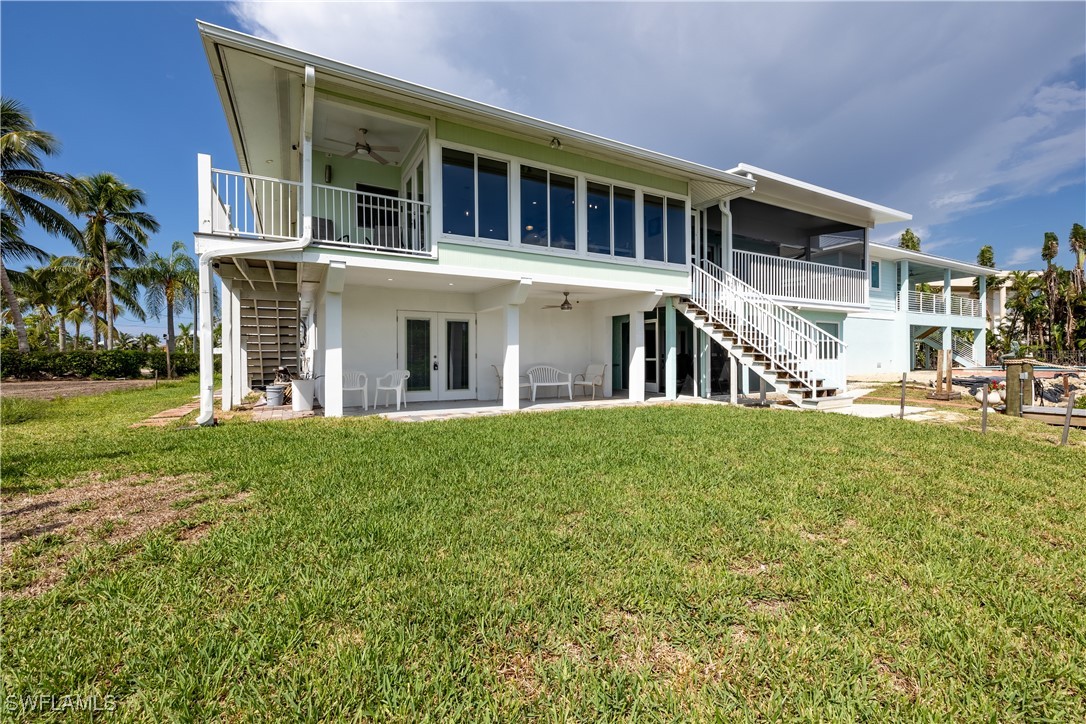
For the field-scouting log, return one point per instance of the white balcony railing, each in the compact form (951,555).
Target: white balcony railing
(370,221)
(255,207)
(793,280)
(928,303)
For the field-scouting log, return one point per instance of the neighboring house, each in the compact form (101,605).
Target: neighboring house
(378,225)
(997,297)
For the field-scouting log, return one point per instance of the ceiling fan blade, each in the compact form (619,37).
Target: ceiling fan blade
(378,157)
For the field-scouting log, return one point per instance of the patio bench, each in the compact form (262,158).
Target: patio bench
(547,376)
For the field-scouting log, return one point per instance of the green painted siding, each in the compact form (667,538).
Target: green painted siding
(540,153)
(574,268)
(346,172)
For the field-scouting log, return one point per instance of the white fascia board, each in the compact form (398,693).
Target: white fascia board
(214,34)
(894,253)
(881,214)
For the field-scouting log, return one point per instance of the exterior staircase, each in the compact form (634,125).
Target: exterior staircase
(963,351)
(270,330)
(796,357)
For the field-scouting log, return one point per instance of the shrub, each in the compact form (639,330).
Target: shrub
(119,363)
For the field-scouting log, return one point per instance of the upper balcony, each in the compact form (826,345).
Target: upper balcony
(929,303)
(259,208)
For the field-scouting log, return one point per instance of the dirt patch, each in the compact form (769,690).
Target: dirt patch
(51,389)
(899,683)
(42,532)
(769,608)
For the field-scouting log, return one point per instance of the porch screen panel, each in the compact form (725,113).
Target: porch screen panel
(624,222)
(654,228)
(459,354)
(418,355)
(676,232)
(533,206)
(493,199)
(599,218)
(563,212)
(458,192)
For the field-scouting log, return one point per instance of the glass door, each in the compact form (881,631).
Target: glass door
(438,350)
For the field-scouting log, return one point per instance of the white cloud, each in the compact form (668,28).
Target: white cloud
(1022,255)
(937,109)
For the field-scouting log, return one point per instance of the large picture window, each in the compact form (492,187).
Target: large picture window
(548,208)
(610,220)
(474,195)
(665,229)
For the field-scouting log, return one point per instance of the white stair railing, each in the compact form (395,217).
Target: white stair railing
(786,339)
(964,350)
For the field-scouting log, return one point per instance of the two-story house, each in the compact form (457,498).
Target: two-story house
(377,225)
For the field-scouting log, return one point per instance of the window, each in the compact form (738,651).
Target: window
(875,280)
(665,230)
(474,195)
(548,209)
(610,220)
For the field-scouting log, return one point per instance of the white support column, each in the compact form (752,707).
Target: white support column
(333,339)
(241,351)
(511,363)
(228,345)
(905,335)
(333,354)
(636,375)
(946,291)
(671,387)
(207,354)
(733,379)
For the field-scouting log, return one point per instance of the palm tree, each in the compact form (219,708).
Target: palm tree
(1077,241)
(87,284)
(147,341)
(115,230)
(25,187)
(35,289)
(170,283)
(185,341)
(1025,305)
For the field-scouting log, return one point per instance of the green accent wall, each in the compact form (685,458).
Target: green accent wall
(541,153)
(346,172)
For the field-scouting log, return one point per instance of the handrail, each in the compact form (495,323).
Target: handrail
(370,221)
(800,280)
(929,303)
(761,323)
(248,206)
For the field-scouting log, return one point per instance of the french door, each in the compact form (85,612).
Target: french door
(438,349)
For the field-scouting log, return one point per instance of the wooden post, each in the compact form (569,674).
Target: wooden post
(949,371)
(1067,418)
(939,373)
(984,411)
(904,376)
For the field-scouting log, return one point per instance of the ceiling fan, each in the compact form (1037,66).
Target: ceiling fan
(565,306)
(361,145)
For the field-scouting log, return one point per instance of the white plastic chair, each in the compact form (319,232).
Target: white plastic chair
(524,384)
(592,377)
(394,381)
(354,381)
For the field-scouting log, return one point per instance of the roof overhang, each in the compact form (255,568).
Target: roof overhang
(894,253)
(707,183)
(790,193)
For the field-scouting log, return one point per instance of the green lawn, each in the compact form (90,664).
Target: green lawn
(669,562)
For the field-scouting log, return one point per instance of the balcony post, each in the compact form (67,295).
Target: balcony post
(947,296)
(671,387)
(205,205)
(307,154)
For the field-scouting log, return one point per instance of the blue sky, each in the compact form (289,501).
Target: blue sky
(970,116)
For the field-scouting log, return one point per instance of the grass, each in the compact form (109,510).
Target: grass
(670,562)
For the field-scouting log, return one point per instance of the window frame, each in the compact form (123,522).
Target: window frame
(611,185)
(872,276)
(475,195)
(581,180)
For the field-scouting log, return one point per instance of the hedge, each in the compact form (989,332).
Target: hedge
(102,364)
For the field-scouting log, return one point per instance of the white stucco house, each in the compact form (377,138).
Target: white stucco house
(375,225)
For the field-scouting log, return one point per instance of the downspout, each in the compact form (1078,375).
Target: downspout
(726,216)
(207,355)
